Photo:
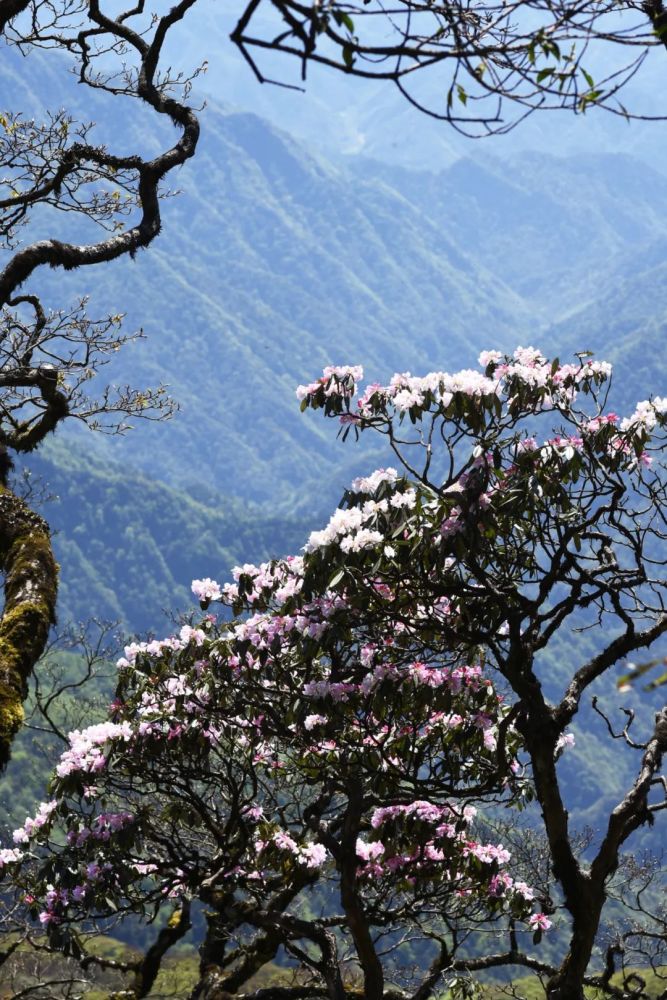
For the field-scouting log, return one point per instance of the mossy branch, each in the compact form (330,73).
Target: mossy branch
(31,587)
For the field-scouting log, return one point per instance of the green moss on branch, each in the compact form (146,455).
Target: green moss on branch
(31,587)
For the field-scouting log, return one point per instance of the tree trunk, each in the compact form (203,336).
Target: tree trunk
(357,923)
(31,587)
(568,983)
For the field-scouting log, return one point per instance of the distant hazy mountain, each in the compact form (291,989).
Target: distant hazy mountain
(272,265)
(129,546)
(275,261)
(625,319)
(338,114)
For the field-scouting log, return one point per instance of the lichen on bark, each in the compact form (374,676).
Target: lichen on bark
(31,587)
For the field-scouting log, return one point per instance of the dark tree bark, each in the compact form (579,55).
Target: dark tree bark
(31,586)
(9,9)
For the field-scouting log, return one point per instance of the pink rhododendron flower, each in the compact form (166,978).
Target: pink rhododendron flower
(314,720)
(206,589)
(312,855)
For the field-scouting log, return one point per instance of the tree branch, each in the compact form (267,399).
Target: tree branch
(9,9)
(31,585)
(615,651)
(68,255)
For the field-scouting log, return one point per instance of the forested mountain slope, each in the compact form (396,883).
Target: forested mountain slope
(555,229)
(274,262)
(627,320)
(129,546)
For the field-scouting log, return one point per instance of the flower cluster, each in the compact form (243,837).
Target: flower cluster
(103,826)
(647,415)
(310,855)
(366,522)
(161,647)
(87,748)
(419,840)
(10,856)
(206,590)
(33,824)
(526,379)
(337,385)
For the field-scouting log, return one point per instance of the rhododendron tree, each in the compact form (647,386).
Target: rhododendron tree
(324,768)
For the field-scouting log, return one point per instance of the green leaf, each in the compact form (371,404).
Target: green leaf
(589,98)
(341,18)
(658,682)
(639,670)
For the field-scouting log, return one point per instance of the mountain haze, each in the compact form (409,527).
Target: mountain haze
(276,260)
(341,115)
